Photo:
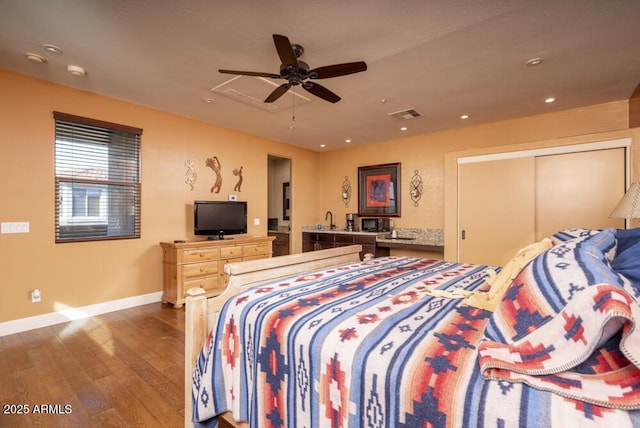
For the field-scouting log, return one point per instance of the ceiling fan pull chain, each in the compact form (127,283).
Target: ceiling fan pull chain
(293,116)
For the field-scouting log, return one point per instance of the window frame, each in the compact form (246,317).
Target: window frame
(124,190)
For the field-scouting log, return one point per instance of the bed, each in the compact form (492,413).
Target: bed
(323,339)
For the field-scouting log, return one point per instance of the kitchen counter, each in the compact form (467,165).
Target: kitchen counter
(414,239)
(408,238)
(325,229)
(283,230)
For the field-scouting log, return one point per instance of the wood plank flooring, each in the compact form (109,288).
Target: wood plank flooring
(119,369)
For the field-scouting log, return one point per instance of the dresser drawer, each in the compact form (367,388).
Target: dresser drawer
(254,249)
(208,283)
(225,261)
(195,270)
(230,252)
(197,255)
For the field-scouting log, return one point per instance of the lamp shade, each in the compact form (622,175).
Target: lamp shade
(629,205)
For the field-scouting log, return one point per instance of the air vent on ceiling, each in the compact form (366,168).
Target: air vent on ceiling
(407,114)
(253,91)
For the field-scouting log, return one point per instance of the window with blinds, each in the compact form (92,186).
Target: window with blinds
(97,167)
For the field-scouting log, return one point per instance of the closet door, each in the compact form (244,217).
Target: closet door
(496,209)
(578,190)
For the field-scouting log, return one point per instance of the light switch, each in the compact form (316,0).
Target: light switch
(14,227)
(256,222)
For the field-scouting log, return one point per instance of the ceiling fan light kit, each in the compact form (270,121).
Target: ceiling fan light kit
(297,72)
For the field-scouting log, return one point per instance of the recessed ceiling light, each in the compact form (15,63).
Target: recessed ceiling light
(323,145)
(53,49)
(347,141)
(404,128)
(76,70)
(464,116)
(550,100)
(35,58)
(533,62)
(208,100)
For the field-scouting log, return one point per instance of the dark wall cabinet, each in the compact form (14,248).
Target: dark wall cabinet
(313,241)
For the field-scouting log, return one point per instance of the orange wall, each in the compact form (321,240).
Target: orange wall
(80,274)
(426,154)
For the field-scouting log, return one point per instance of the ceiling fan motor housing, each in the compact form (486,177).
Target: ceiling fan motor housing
(295,75)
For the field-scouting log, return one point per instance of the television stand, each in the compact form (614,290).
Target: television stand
(201,264)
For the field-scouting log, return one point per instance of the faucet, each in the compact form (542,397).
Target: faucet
(330,215)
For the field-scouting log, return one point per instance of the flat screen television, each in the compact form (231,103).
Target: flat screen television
(216,219)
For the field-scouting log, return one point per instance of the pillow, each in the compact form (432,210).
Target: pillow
(627,259)
(627,238)
(572,234)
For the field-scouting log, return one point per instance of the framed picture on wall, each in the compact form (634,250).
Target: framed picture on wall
(379,190)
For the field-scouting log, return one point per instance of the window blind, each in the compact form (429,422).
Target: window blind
(97,179)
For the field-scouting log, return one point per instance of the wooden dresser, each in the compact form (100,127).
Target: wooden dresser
(201,264)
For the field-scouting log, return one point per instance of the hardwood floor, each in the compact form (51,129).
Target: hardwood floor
(119,369)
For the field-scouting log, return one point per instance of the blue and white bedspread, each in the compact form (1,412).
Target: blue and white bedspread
(364,345)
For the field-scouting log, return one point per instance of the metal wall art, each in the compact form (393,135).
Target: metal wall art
(415,187)
(238,173)
(215,165)
(191,174)
(346,191)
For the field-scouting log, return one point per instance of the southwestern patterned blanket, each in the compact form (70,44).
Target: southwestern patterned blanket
(372,345)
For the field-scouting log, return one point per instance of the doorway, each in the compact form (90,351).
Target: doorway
(279,196)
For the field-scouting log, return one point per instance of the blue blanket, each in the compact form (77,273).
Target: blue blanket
(364,345)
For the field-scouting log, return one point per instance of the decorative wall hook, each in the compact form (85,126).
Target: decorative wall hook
(415,187)
(346,191)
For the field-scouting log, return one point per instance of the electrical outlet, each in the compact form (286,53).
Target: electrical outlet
(35,295)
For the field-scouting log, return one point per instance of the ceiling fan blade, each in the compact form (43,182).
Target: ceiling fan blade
(285,51)
(278,92)
(251,73)
(321,91)
(337,70)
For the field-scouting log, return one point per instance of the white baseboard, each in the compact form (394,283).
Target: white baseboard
(66,315)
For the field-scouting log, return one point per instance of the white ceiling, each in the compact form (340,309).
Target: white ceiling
(441,58)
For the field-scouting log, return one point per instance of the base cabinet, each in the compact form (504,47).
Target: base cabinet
(312,241)
(280,244)
(201,264)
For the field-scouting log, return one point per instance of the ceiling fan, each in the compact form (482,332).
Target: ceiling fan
(297,72)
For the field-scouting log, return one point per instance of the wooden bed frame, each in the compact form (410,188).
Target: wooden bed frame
(201,314)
